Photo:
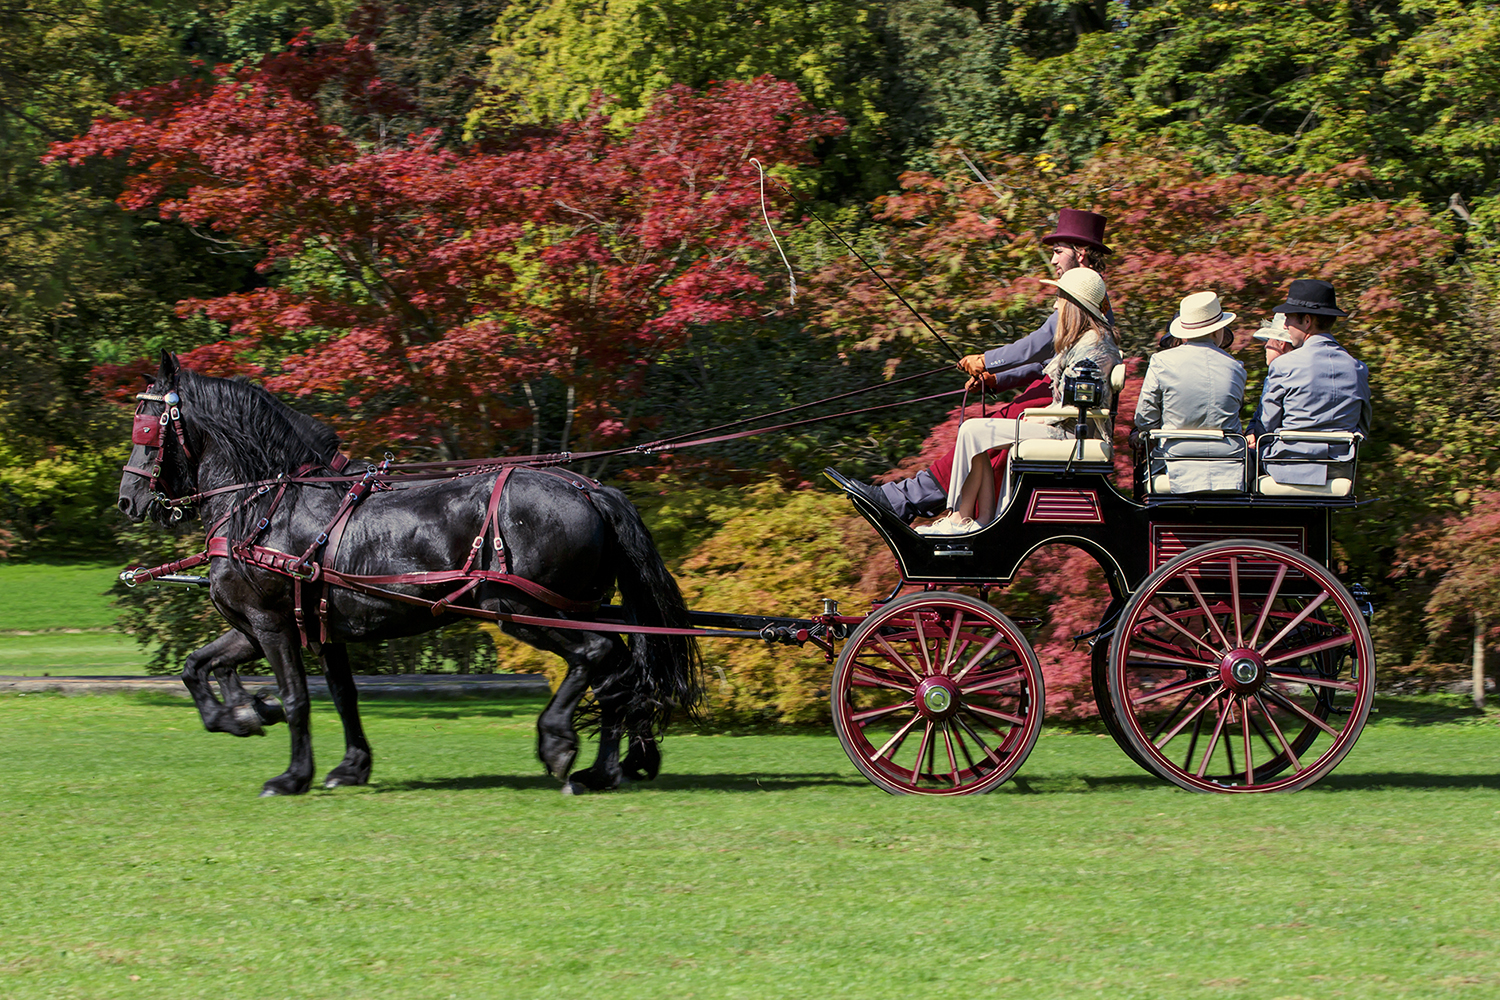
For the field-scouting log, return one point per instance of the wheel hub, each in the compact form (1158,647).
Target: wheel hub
(937,697)
(1243,671)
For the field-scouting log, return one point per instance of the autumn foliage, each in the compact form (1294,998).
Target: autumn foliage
(421,286)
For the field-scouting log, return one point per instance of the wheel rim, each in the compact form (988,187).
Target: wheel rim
(937,694)
(1241,667)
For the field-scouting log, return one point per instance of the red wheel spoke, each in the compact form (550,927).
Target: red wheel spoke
(1213,741)
(1245,731)
(1289,703)
(921,642)
(922,747)
(1286,747)
(978,740)
(896,658)
(978,657)
(981,710)
(958,624)
(1170,661)
(992,681)
(1187,761)
(1307,610)
(1157,613)
(1333,642)
(868,677)
(1265,609)
(1172,689)
(894,743)
(1234,595)
(1163,741)
(1314,681)
(875,713)
(1175,712)
(952,758)
(1259,731)
(1213,620)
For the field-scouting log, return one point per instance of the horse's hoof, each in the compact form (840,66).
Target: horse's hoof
(247,721)
(283,786)
(575,788)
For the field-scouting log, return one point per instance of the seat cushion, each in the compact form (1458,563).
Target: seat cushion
(1058,450)
(1338,487)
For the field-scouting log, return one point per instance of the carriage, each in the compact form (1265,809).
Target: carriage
(1230,657)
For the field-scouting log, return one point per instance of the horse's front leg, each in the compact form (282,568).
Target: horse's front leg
(354,769)
(285,655)
(242,702)
(237,714)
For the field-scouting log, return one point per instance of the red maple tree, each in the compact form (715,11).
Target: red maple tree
(420,288)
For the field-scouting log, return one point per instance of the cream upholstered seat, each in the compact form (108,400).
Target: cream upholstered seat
(1161,482)
(1339,487)
(1340,473)
(1099,447)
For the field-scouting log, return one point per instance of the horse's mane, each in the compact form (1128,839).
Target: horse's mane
(261,437)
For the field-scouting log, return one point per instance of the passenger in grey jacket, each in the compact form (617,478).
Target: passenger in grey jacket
(1196,385)
(1318,386)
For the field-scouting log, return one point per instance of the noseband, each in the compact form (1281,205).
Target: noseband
(148,430)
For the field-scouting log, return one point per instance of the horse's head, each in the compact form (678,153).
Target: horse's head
(161,466)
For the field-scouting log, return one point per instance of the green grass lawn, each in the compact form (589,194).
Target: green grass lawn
(139,863)
(35,596)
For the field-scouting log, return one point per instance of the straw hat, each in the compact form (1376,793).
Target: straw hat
(1274,329)
(1199,315)
(1084,287)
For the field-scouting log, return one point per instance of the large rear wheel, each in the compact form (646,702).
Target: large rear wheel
(1241,666)
(937,694)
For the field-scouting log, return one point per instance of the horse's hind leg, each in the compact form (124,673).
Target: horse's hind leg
(237,716)
(354,769)
(643,758)
(556,739)
(606,772)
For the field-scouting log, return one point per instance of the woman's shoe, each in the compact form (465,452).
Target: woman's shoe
(951,523)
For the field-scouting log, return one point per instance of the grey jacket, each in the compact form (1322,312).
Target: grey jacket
(1317,387)
(1194,386)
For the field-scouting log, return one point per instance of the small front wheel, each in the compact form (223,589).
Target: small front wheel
(937,694)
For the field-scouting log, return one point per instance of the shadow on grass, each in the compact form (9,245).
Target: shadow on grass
(1405,779)
(665,782)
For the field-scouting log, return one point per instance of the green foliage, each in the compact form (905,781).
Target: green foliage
(552,57)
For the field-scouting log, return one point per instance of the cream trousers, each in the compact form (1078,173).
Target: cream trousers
(981,434)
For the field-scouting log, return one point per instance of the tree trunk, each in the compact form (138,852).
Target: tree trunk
(1479,659)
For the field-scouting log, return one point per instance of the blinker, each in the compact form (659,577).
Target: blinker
(146,430)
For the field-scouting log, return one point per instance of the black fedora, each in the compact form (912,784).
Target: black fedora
(1311,296)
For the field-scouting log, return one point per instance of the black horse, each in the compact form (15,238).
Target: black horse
(573,537)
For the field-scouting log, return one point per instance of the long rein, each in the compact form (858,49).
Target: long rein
(151,430)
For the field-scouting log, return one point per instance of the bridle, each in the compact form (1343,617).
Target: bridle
(148,430)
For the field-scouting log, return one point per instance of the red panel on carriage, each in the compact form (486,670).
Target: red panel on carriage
(1171,540)
(1070,506)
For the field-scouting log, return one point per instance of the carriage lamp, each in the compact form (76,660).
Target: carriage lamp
(1083,386)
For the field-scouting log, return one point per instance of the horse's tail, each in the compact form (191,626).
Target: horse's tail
(665,671)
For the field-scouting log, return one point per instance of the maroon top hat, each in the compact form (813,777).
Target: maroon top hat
(1077,226)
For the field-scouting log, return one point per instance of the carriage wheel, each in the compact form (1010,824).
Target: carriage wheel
(1241,666)
(1099,669)
(937,694)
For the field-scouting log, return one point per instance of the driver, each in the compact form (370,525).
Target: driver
(1077,242)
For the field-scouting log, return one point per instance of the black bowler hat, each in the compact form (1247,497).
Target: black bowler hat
(1311,296)
(1077,226)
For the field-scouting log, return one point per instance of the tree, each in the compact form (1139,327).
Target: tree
(416,286)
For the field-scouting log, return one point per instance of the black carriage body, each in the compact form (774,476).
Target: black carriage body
(1052,504)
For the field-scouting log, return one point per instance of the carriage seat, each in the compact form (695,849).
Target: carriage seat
(1161,482)
(1340,470)
(1097,447)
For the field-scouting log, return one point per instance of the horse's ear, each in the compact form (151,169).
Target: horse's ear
(169,365)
